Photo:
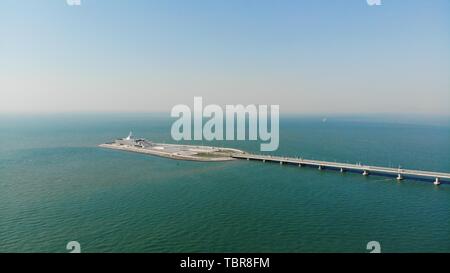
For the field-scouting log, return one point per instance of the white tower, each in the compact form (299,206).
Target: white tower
(130,136)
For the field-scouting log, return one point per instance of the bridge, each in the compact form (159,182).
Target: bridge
(365,170)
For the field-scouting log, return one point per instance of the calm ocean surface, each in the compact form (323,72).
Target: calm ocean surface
(58,186)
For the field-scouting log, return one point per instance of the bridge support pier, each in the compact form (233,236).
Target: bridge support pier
(437,182)
(399,177)
(300,165)
(281,162)
(264,161)
(365,173)
(342,170)
(320,168)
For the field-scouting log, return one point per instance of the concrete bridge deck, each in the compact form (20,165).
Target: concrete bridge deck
(399,173)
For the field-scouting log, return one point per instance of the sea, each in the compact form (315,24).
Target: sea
(57,186)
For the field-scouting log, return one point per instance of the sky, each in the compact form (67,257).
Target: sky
(311,56)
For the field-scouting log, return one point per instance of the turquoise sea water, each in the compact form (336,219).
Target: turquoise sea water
(58,186)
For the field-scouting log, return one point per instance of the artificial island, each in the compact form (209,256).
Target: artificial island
(209,153)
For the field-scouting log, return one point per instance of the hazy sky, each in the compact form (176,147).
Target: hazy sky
(330,56)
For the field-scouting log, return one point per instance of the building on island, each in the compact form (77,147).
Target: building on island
(136,142)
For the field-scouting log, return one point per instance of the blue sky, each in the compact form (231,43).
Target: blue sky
(328,56)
